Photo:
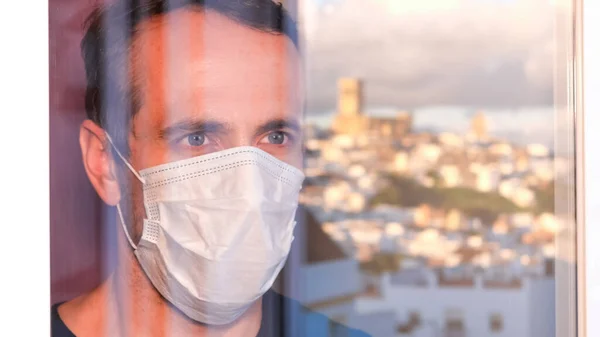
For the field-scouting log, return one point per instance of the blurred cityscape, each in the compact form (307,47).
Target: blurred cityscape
(439,234)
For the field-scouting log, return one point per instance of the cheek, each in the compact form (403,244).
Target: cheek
(132,204)
(138,211)
(291,155)
(296,159)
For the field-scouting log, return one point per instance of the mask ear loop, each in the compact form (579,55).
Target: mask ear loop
(125,160)
(125,228)
(142,180)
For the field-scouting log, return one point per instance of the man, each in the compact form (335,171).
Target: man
(193,134)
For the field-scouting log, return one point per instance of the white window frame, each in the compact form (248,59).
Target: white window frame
(24,254)
(588,182)
(24,139)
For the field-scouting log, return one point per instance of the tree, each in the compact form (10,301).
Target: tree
(407,192)
(544,199)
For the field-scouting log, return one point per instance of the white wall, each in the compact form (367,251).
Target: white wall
(330,279)
(477,304)
(377,324)
(542,308)
(589,197)
(344,310)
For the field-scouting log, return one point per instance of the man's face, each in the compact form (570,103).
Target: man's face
(207,83)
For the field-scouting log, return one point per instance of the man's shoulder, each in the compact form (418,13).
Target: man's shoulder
(342,330)
(57,326)
(307,322)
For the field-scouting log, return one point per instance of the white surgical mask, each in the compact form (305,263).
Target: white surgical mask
(218,230)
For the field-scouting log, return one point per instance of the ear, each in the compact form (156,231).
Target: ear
(98,162)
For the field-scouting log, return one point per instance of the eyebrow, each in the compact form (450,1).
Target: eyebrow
(194,125)
(277,124)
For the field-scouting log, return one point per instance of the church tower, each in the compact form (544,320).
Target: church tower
(349,119)
(349,97)
(479,126)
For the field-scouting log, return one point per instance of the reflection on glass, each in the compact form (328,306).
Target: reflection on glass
(431,165)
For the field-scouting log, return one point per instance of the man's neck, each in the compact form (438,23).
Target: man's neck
(127,304)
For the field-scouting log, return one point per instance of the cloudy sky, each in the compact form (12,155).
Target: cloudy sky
(414,53)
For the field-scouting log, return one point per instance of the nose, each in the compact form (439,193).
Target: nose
(239,136)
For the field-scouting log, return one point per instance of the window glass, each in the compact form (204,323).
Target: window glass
(438,139)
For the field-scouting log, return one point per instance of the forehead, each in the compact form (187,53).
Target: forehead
(192,56)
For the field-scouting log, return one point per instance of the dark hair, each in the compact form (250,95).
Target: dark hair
(110,100)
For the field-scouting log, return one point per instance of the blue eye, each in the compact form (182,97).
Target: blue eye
(196,139)
(277,137)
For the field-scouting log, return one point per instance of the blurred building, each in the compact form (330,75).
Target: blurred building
(328,282)
(386,128)
(350,119)
(429,305)
(492,260)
